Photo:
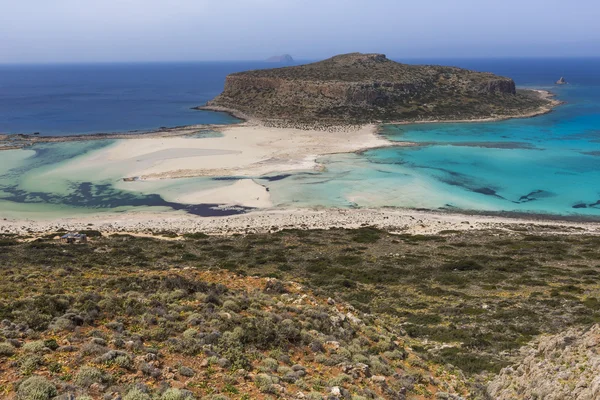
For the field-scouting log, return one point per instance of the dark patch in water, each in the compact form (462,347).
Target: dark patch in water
(595,205)
(226,178)
(495,145)
(535,195)
(591,153)
(276,178)
(464,181)
(104,196)
(481,190)
(486,191)
(590,135)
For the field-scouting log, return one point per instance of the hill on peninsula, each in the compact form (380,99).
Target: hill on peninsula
(362,88)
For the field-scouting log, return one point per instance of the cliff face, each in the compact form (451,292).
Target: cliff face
(361,88)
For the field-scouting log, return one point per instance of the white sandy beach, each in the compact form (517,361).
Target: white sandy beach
(243,192)
(243,150)
(394,220)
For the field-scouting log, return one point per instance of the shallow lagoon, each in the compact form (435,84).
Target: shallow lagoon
(548,164)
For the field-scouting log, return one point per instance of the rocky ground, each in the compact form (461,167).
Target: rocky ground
(559,367)
(363,313)
(182,334)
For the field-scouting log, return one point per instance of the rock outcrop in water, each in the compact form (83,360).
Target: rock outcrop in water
(361,88)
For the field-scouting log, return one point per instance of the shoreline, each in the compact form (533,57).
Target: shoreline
(246,150)
(543,110)
(19,141)
(395,220)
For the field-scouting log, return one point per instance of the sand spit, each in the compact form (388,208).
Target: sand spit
(244,192)
(244,150)
(19,141)
(394,220)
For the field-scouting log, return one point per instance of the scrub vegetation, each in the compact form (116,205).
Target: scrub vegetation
(352,314)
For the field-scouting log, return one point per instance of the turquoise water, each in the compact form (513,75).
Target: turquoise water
(42,182)
(544,165)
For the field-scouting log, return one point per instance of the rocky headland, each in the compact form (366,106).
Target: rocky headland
(369,88)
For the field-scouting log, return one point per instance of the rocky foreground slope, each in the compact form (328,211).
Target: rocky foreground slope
(560,367)
(182,334)
(362,88)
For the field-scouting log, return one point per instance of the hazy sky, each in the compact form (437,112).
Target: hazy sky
(164,30)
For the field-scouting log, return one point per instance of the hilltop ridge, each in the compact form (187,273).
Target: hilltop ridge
(361,88)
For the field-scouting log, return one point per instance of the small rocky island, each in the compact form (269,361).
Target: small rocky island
(561,81)
(283,59)
(365,88)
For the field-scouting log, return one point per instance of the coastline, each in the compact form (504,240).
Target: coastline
(396,220)
(543,110)
(243,151)
(19,141)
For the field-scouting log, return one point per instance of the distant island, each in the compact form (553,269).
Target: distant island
(283,59)
(369,88)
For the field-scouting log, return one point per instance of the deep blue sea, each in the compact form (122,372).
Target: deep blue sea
(70,99)
(544,165)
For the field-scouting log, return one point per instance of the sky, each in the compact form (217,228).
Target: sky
(48,31)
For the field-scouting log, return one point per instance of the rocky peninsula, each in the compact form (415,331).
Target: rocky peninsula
(369,88)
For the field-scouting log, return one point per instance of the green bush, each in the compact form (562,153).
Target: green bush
(176,394)
(6,349)
(36,388)
(34,347)
(270,364)
(339,380)
(90,375)
(136,394)
(30,364)
(462,265)
(265,382)
(366,235)
(231,305)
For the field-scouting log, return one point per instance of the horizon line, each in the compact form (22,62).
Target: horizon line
(296,61)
